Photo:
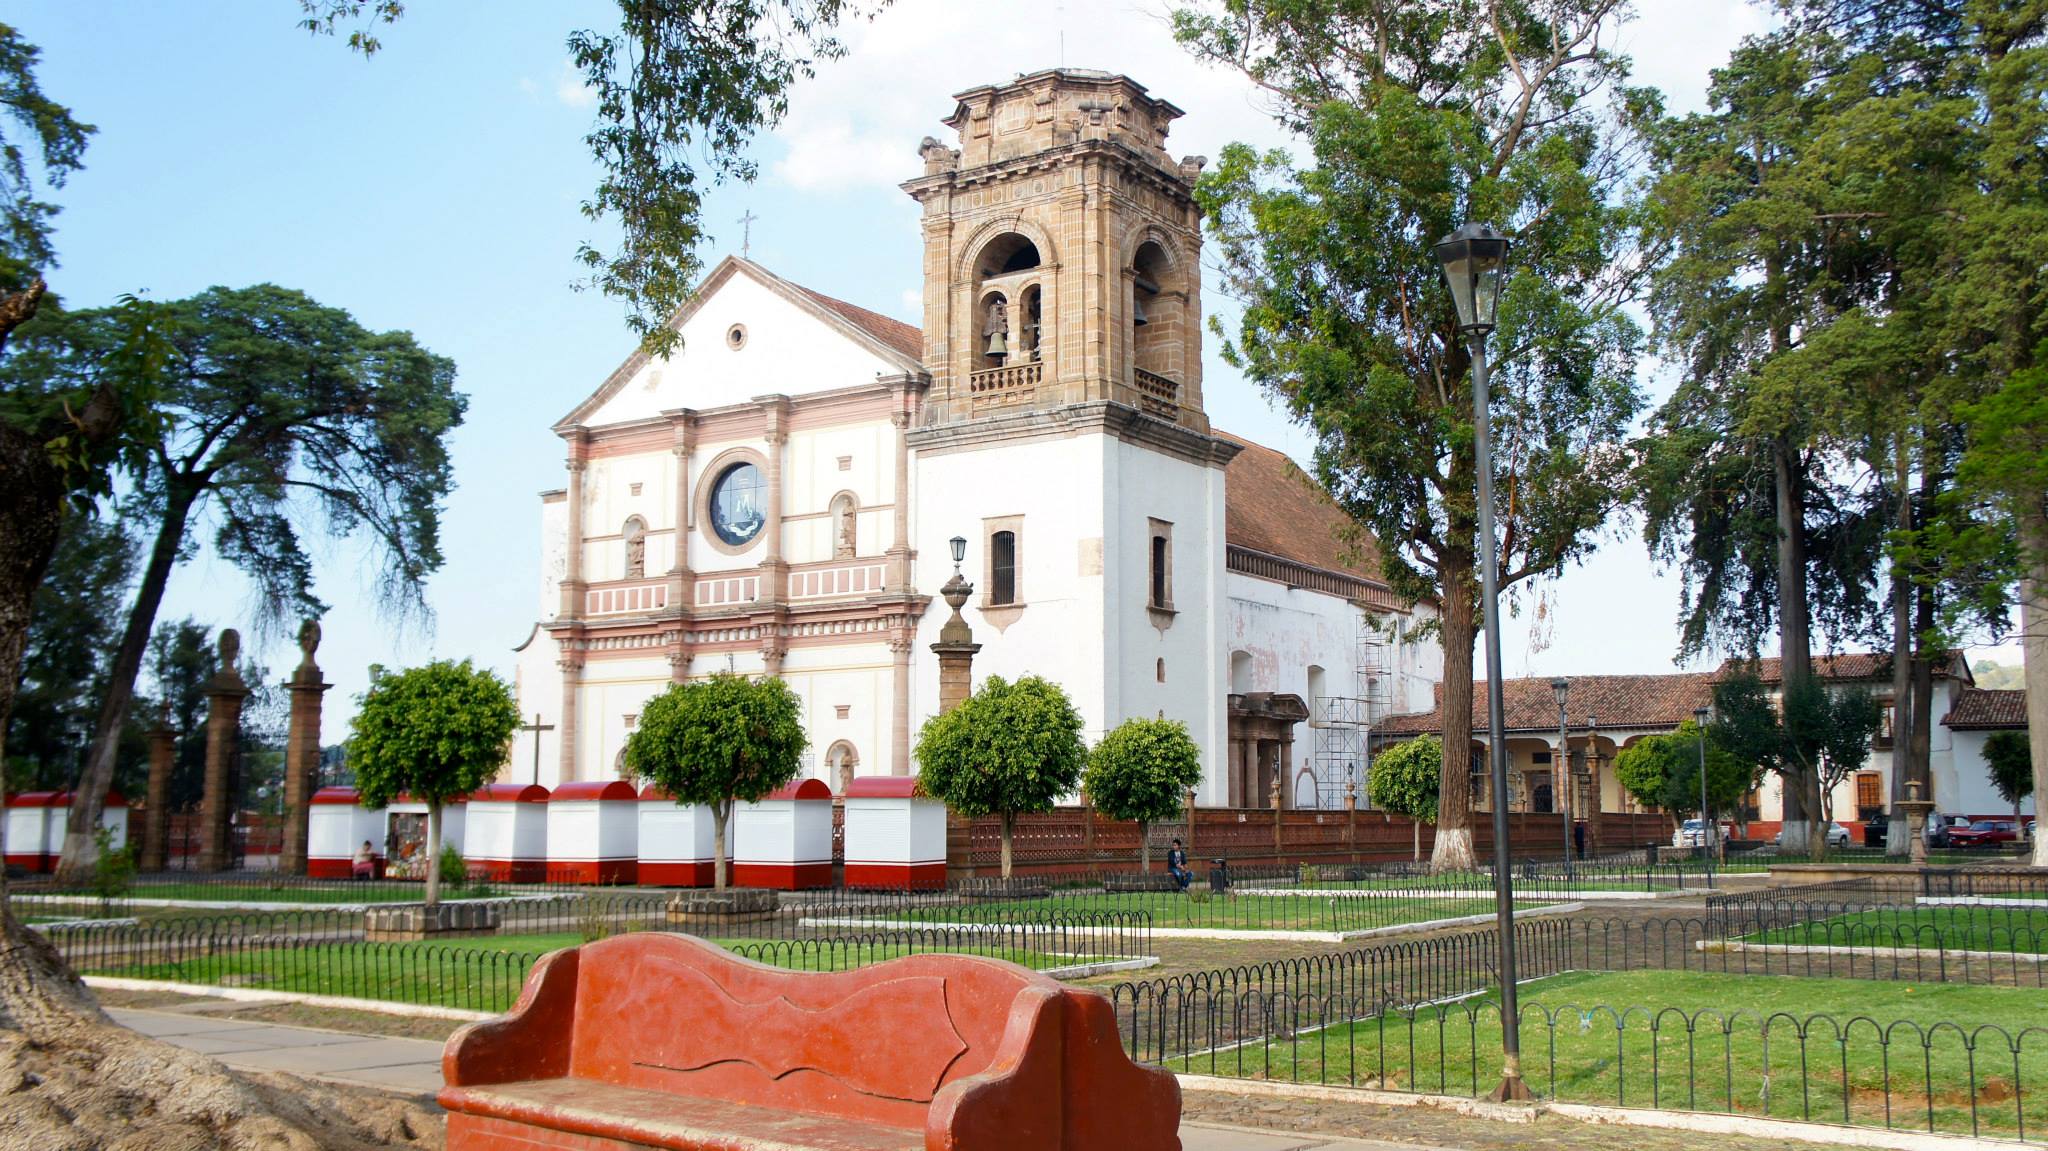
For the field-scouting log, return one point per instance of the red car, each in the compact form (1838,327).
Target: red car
(1986,833)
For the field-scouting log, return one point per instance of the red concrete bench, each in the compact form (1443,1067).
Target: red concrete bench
(658,1040)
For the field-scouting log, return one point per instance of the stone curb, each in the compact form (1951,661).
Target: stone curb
(260,995)
(1729,945)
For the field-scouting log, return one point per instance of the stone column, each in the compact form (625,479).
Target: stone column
(682,590)
(301,751)
(774,570)
(156,816)
(955,649)
(224,695)
(572,567)
(1594,800)
(899,547)
(899,710)
(572,675)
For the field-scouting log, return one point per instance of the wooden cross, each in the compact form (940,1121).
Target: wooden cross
(747,233)
(536,727)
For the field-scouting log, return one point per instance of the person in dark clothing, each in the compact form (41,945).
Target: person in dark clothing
(1177,865)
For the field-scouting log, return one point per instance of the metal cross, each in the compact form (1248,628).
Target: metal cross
(747,233)
(536,727)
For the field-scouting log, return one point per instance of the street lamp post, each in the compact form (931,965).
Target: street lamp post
(1472,259)
(1561,770)
(1707,828)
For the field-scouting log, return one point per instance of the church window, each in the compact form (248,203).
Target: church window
(1159,590)
(845,525)
(995,330)
(635,535)
(737,496)
(736,337)
(1002,563)
(1156,301)
(1159,669)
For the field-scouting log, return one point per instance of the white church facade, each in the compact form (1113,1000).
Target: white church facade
(778,496)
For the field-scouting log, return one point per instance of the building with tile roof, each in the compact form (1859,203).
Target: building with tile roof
(782,493)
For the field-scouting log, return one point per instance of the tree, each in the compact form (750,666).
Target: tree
(1407,779)
(682,88)
(76,613)
(1009,748)
(436,732)
(1810,733)
(281,418)
(2010,758)
(1663,771)
(1140,771)
(716,741)
(182,658)
(1419,117)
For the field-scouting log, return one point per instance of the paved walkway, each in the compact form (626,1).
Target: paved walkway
(413,1066)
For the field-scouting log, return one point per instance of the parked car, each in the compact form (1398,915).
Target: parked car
(1691,833)
(1939,826)
(1838,836)
(1988,833)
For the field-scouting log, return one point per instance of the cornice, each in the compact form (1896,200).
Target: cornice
(1094,417)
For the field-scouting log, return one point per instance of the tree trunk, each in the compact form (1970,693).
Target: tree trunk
(1144,845)
(1795,648)
(433,854)
(1903,715)
(79,850)
(719,813)
(2033,527)
(1452,850)
(1415,827)
(1009,819)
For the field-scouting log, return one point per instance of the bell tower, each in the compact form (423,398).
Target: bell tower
(1061,253)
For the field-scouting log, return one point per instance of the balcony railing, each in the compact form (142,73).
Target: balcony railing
(1008,378)
(1156,393)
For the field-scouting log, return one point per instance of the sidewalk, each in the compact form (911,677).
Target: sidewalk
(413,1067)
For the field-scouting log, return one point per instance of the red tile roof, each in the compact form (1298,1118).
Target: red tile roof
(905,338)
(1982,709)
(1270,505)
(1621,701)
(1848,665)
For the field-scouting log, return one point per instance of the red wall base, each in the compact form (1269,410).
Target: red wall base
(593,871)
(897,876)
(342,867)
(783,876)
(513,870)
(36,863)
(702,873)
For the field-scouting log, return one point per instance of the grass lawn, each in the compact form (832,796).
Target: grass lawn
(1242,912)
(482,973)
(1953,927)
(1689,1040)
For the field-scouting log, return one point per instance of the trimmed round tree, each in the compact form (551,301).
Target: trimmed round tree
(1008,748)
(716,741)
(2009,757)
(436,732)
(1664,771)
(1405,779)
(1140,771)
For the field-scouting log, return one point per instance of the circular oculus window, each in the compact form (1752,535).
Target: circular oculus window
(736,337)
(736,498)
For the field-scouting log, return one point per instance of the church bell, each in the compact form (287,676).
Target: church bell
(1138,317)
(997,345)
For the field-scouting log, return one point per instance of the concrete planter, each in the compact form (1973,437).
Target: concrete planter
(1140,881)
(413,922)
(996,887)
(733,905)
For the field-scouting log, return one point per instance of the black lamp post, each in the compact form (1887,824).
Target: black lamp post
(1472,259)
(1561,770)
(1707,828)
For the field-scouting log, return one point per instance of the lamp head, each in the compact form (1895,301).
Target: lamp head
(959,550)
(1472,260)
(1699,716)
(1592,720)
(1562,687)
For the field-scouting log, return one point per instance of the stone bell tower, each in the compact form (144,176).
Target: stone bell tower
(1061,253)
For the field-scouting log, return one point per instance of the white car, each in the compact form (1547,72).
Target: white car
(1690,833)
(1838,836)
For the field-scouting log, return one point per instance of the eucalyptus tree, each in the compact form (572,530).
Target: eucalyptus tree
(277,417)
(1412,119)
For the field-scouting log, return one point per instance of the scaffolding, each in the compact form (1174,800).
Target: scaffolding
(1340,726)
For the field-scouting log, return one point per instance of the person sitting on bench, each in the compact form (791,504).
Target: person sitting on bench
(1177,865)
(365,863)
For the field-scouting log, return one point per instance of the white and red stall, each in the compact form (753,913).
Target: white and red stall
(37,821)
(895,838)
(405,834)
(337,824)
(784,842)
(506,829)
(676,848)
(593,832)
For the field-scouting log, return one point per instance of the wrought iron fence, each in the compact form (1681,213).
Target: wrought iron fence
(1946,1077)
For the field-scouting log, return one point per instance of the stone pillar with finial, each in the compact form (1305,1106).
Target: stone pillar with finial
(955,649)
(301,750)
(224,695)
(156,815)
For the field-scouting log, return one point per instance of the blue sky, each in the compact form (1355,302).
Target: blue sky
(435,188)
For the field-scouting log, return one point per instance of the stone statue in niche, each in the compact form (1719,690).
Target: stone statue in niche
(843,530)
(636,550)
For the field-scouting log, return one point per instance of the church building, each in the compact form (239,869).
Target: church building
(782,494)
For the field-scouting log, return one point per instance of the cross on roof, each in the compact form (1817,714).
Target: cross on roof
(747,233)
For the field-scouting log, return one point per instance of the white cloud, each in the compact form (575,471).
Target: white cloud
(569,88)
(913,301)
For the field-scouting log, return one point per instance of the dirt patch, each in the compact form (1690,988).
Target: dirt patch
(1430,1127)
